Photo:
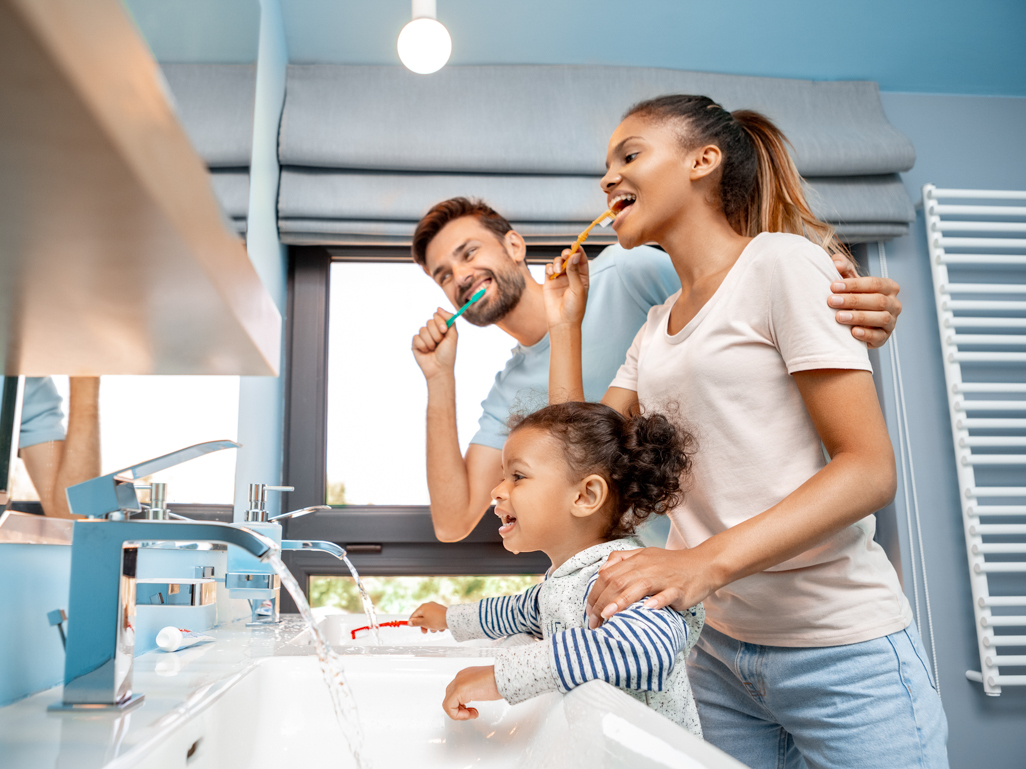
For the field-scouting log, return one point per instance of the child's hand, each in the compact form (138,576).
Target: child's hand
(469,685)
(429,616)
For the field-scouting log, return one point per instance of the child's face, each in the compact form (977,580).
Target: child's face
(535,497)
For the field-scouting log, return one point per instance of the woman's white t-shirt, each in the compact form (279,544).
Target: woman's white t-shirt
(727,373)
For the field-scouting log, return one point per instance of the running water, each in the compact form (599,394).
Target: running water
(331,664)
(368,605)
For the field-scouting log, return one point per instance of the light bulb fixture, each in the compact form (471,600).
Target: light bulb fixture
(424,44)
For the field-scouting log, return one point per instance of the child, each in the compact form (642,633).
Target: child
(578,480)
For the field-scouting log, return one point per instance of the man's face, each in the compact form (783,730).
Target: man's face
(465,256)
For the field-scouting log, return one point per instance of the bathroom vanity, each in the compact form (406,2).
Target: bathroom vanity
(255,698)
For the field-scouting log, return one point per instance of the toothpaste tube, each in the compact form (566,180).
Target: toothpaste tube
(172,638)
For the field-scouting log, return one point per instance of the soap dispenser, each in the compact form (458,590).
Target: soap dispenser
(248,577)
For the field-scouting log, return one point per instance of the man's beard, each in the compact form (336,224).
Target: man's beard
(509,287)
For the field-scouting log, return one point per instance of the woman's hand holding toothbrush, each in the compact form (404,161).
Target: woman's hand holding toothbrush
(566,296)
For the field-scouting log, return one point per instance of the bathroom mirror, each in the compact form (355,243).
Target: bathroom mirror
(10,420)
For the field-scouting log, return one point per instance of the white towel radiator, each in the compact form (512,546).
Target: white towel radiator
(977,246)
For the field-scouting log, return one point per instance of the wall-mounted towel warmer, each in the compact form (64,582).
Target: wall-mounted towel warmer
(977,246)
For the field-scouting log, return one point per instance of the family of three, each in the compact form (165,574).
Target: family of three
(709,382)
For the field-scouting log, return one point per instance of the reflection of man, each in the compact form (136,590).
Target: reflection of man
(55,460)
(464,245)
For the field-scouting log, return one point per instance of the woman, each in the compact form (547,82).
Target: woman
(809,656)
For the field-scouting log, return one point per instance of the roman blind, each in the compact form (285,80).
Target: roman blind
(215,104)
(366,150)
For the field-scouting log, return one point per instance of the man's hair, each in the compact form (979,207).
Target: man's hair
(448,210)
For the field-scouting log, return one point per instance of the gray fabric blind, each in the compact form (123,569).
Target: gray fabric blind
(366,150)
(215,104)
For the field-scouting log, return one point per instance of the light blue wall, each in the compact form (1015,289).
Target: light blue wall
(938,46)
(261,398)
(962,142)
(212,31)
(35,581)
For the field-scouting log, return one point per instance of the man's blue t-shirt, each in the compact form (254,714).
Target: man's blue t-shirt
(41,415)
(624,285)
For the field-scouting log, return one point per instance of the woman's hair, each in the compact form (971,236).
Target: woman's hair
(644,458)
(760,188)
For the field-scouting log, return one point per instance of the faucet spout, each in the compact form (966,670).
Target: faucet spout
(101,604)
(306,544)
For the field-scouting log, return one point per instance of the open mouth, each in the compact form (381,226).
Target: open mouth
(508,522)
(474,287)
(621,204)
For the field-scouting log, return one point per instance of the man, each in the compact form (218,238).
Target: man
(464,245)
(55,460)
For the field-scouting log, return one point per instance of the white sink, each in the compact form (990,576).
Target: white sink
(280,714)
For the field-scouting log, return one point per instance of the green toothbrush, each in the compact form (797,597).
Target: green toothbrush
(477,295)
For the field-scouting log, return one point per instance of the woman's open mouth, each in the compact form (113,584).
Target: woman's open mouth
(508,522)
(620,205)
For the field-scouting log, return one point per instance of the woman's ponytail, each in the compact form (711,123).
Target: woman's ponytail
(760,187)
(645,459)
(777,202)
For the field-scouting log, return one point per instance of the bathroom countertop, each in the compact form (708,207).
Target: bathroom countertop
(176,685)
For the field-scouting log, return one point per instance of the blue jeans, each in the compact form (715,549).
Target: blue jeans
(864,705)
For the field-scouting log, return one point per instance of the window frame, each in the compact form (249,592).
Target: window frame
(381,540)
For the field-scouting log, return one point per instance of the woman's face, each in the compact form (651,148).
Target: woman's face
(648,180)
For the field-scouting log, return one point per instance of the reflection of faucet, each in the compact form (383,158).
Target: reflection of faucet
(101,605)
(306,544)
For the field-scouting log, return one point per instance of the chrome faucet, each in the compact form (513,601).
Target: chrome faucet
(101,604)
(104,557)
(254,581)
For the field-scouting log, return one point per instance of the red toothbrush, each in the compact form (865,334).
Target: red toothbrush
(394,623)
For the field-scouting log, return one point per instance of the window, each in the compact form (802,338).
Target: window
(401,595)
(376,392)
(354,431)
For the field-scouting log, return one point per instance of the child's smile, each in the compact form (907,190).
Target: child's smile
(508,522)
(535,496)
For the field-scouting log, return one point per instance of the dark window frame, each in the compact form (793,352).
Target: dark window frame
(382,540)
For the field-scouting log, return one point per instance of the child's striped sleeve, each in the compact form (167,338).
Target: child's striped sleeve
(496,617)
(634,649)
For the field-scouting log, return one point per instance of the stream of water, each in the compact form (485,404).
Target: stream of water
(368,605)
(331,664)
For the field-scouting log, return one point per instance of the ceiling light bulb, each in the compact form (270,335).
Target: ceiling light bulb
(424,44)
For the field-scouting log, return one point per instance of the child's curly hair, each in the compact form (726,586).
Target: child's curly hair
(644,458)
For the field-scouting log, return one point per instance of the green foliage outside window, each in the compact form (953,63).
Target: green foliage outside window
(336,493)
(401,595)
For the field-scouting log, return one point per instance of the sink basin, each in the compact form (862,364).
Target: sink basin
(280,714)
